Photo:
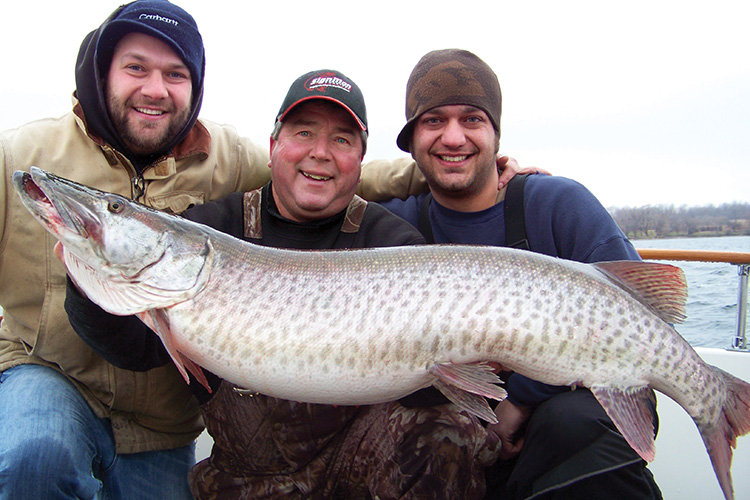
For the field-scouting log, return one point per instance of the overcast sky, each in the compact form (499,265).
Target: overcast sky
(644,102)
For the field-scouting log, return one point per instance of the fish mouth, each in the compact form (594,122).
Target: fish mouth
(67,218)
(26,184)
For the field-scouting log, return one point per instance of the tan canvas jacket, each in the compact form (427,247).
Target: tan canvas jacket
(149,410)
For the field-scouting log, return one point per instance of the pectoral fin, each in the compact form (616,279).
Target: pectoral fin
(468,385)
(157,320)
(629,410)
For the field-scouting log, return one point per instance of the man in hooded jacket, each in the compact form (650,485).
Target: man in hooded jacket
(71,424)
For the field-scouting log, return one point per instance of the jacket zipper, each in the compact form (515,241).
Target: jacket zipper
(139,185)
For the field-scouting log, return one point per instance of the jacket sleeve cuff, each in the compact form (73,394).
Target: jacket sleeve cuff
(523,391)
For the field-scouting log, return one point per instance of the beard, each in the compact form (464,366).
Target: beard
(465,184)
(146,138)
(463,188)
(462,182)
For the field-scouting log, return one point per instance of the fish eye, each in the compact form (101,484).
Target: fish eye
(116,206)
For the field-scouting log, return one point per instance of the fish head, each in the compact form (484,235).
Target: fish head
(102,229)
(125,256)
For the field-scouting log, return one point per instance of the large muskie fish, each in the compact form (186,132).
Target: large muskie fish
(369,326)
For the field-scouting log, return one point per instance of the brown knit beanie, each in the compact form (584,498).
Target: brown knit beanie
(450,76)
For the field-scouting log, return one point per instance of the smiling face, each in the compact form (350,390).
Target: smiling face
(455,147)
(315,161)
(148,93)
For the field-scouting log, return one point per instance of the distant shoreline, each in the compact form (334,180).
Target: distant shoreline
(660,221)
(705,234)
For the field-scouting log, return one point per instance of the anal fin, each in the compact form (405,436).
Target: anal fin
(629,411)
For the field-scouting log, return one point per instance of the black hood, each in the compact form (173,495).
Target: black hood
(92,66)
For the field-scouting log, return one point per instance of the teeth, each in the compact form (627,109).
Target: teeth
(316,177)
(453,158)
(150,111)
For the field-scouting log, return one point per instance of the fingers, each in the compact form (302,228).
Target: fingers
(510,449)
(60,252)
(534,170)
(508,167)
(511,441)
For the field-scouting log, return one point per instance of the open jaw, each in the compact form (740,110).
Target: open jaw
(60,218)
(36,200)
(32,190)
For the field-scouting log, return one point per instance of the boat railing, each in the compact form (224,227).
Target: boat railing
(740,259)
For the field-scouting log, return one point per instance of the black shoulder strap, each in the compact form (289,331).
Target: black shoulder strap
(424,225)
(515,220)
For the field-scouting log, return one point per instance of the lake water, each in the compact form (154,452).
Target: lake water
(712,289)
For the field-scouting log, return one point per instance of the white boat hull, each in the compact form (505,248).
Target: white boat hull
(682,468)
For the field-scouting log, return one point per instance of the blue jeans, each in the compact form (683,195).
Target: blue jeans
(53,446)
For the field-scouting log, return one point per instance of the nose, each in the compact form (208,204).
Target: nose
(321,149)
(453,135)
(154,86)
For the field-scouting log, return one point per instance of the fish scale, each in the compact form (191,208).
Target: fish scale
(373,325)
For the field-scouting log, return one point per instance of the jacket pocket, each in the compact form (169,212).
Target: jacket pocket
(58,343)
(177,202)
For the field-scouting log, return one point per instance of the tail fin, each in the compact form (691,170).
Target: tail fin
(721,438)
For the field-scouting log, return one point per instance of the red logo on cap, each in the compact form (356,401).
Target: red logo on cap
(324,80)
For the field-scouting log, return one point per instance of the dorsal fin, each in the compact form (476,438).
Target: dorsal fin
(661,286)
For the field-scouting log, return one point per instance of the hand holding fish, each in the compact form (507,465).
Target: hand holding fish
(59,250)
(511,420)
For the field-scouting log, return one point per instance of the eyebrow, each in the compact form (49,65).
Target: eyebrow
(141,58)
(301,122)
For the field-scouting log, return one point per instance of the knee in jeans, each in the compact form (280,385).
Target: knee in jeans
(37,457)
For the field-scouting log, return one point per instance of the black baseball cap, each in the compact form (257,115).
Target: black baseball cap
(326,84)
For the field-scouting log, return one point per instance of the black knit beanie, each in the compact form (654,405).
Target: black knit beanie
(450,76)
(160,19)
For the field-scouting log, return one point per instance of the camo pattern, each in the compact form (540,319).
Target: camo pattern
(268,448)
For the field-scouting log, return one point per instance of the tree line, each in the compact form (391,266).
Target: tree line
(668,221)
